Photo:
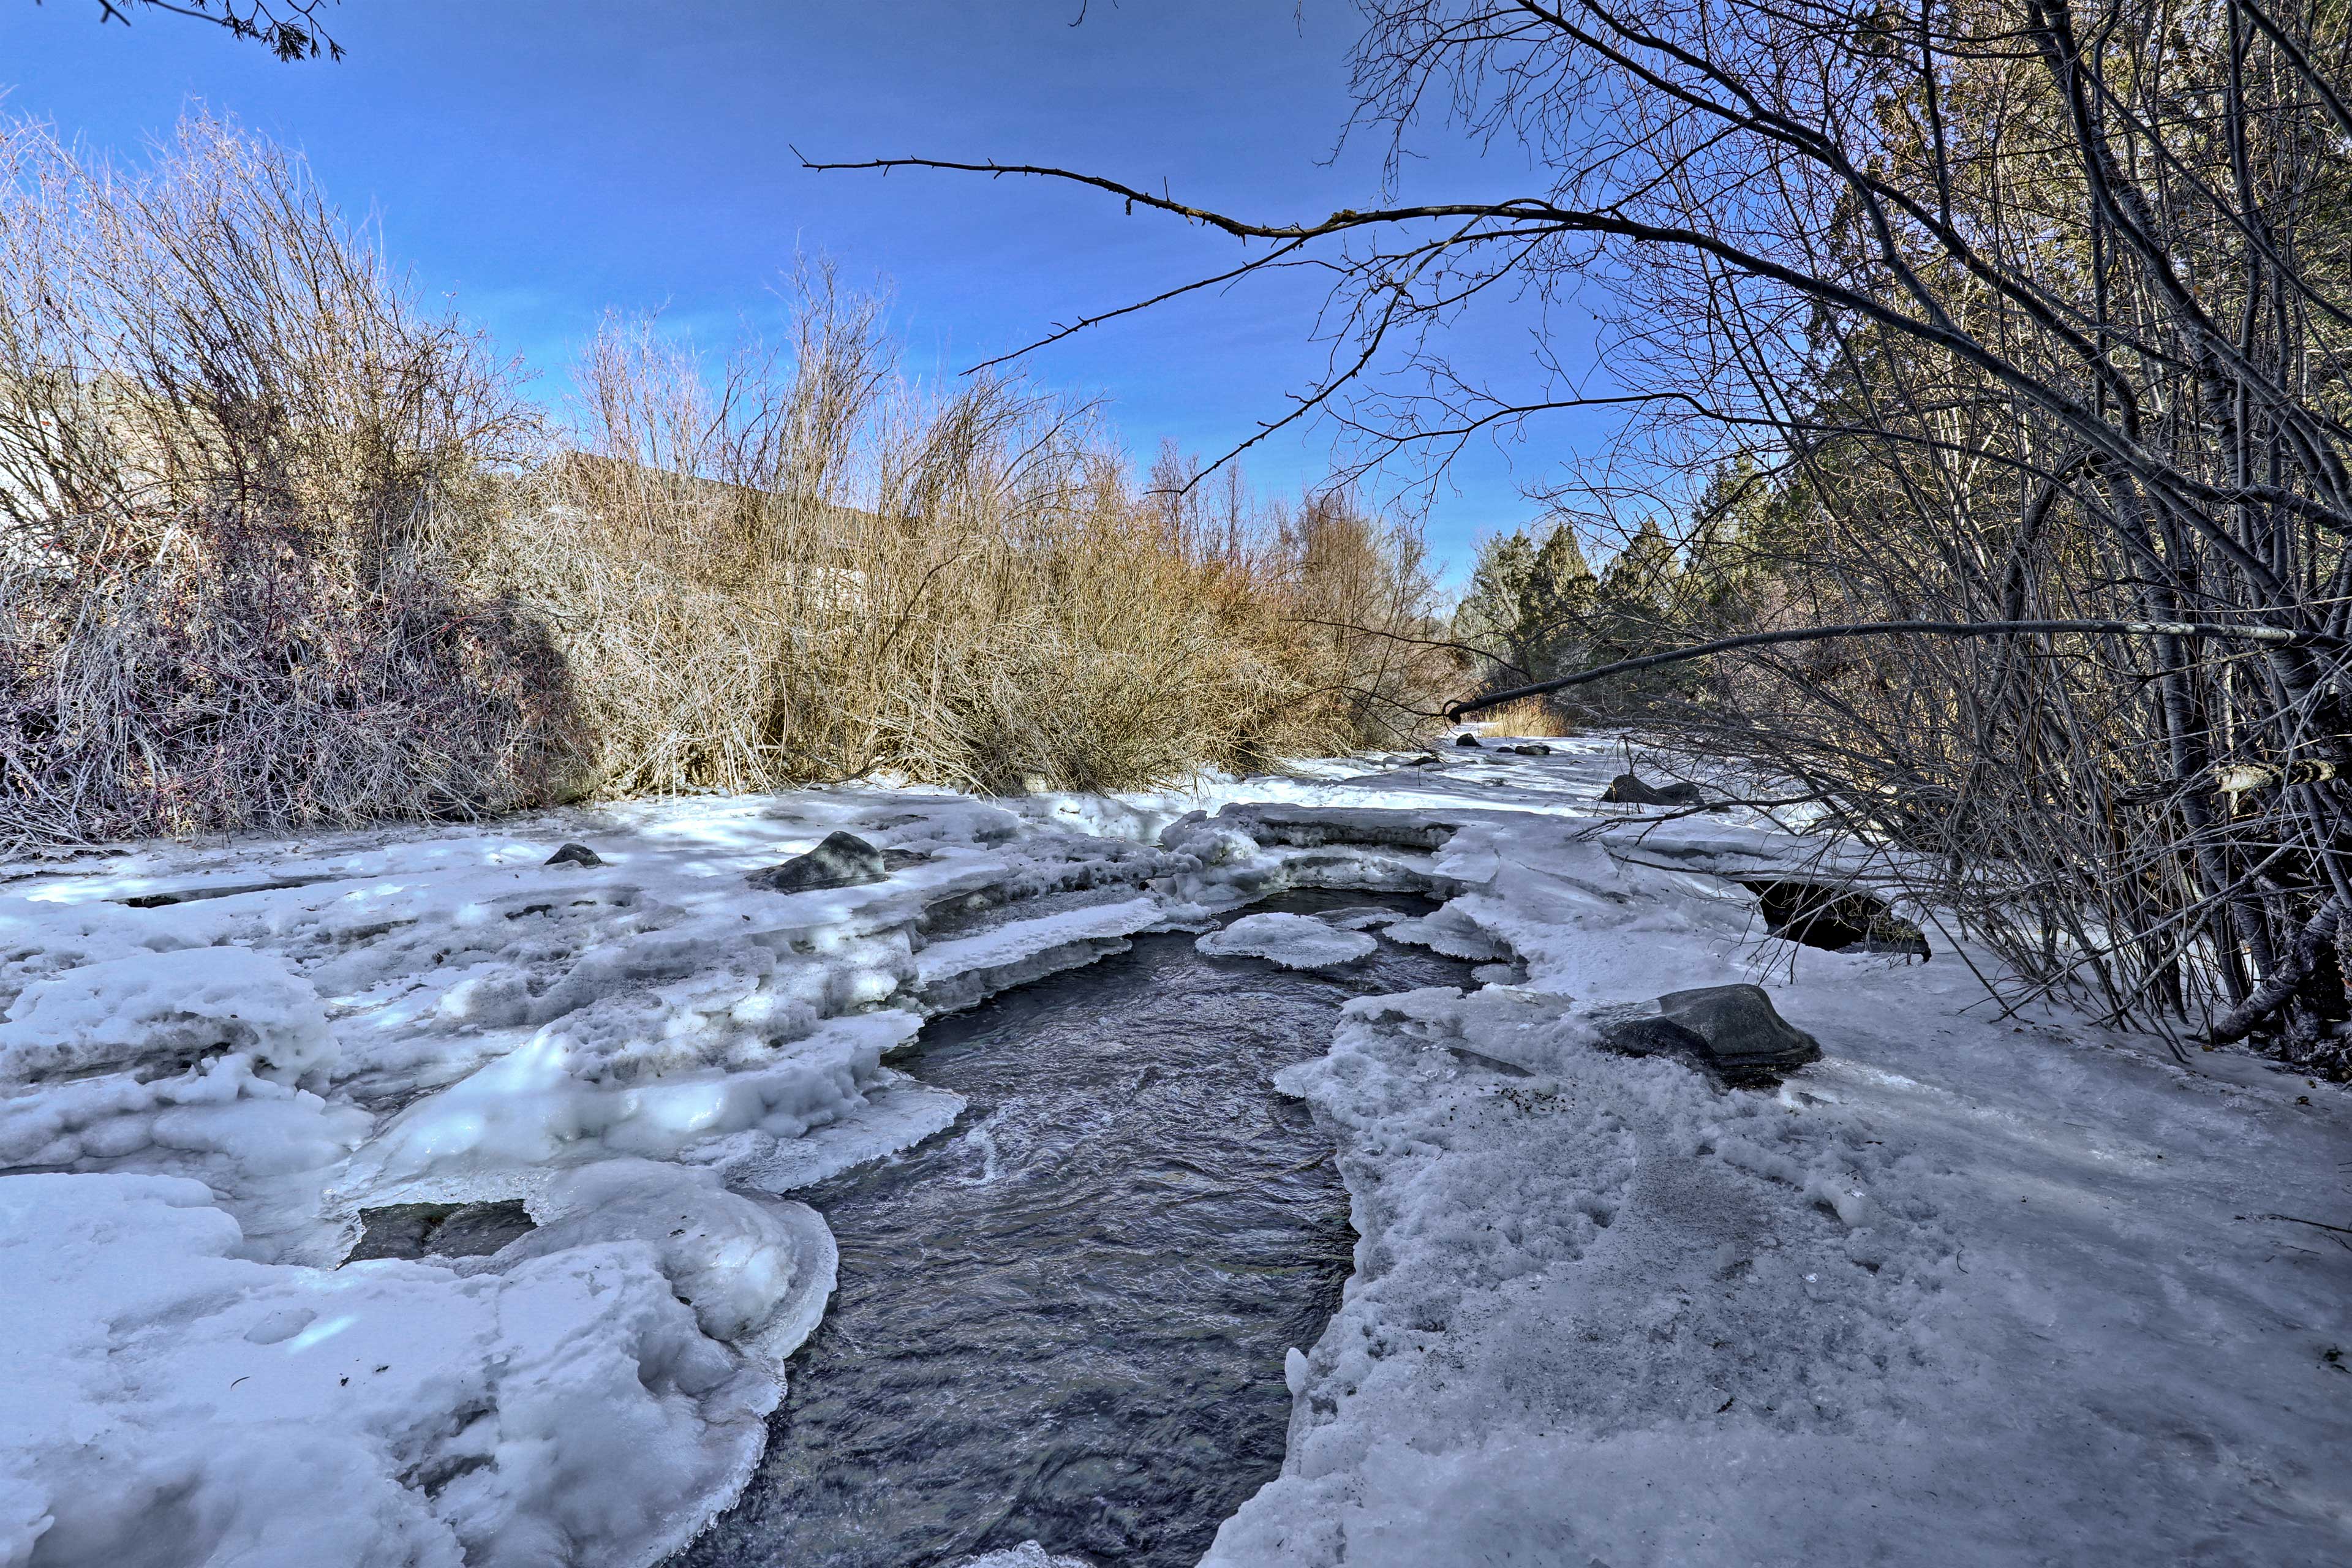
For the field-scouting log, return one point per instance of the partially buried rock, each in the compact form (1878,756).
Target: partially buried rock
(1532,748)
(1627,790)
(438,1230)
(574,855)
(1733,1030)
(1467,739)
(842,861)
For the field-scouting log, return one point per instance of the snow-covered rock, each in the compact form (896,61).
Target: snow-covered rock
(753,1270)
(1294,942)
(161,1014)
(165,1402)
(1028,1554)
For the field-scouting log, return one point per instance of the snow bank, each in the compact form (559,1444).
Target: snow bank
(504,1130)
(1602,1311)
(266,1152)
(642,1050)
(2017,1289)
(2005,1288)
(166,1402)
(163,1013)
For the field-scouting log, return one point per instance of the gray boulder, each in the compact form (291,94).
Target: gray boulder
(1532,748)
(1732,1030)
(1626,789)
(574,855)
(842,861)
(1467,739)
(1647,1035)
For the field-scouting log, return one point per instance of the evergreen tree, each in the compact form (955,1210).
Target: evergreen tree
(1635,611)
(1530,605)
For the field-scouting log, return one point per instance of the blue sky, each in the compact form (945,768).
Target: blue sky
(542,160)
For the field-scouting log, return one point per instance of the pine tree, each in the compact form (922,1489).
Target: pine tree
(1530,605)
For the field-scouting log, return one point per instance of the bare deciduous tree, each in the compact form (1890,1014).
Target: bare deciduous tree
(2016,311)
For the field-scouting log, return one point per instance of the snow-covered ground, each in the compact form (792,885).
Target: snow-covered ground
(1965,1290)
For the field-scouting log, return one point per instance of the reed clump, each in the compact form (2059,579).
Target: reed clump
(1535,718)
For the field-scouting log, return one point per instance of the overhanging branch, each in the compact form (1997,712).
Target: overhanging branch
(2275,636)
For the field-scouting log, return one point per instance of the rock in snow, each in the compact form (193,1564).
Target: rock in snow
(1628,789)
(576,855)
(1732,1028)
(439,1230)
(1294,942)
(1838,920)
(841,860)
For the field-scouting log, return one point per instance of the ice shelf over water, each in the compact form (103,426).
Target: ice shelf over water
(1967,1290)
(1294,942)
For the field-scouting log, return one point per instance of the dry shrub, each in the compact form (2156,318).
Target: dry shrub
(797,564)
(1361,590)
(240,471)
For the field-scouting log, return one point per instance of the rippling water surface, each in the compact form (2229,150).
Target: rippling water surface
(1064,1319)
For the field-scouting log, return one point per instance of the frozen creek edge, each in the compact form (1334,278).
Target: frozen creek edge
(1549,1238)
(683,1074)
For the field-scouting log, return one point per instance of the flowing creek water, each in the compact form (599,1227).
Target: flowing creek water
(1064,1319)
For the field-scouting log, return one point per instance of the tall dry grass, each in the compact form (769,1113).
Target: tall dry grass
(777,566)
(1532,717)
(280,545)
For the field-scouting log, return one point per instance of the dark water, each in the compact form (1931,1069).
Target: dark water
(1064,1319)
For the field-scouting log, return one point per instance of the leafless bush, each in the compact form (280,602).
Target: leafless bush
(241,473)
(778,566)
(279,546)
